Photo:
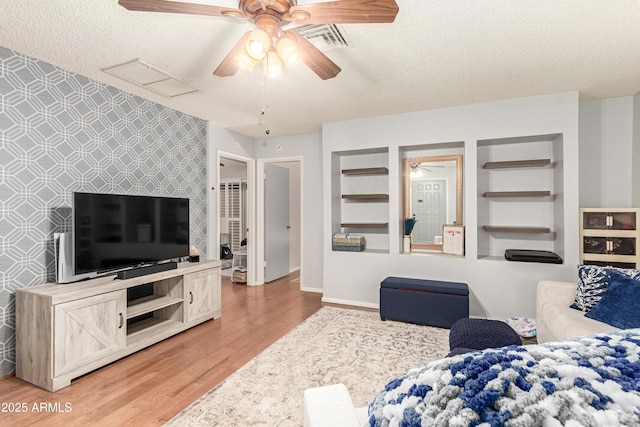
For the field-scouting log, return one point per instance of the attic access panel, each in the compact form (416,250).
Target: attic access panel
(145,75)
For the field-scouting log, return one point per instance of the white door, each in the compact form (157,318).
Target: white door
(276,222)
(428,205)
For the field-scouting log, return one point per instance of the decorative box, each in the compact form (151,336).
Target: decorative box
(348,242)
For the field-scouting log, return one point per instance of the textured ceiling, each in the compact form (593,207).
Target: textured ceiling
(436,54)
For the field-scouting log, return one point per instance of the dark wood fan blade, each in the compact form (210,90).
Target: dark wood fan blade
(313,58)
(230,64)
(176,7)
(349,12)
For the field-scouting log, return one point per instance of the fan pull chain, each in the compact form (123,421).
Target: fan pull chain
(265,106)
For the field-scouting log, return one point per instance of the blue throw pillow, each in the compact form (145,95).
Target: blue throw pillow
(620,305)
(593,281)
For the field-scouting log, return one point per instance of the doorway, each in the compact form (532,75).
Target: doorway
(234,217)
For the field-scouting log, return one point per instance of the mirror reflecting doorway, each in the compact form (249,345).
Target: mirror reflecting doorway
(433,197)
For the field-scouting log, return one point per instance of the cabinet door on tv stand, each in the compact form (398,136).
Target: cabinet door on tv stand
(202,294)
(87,330)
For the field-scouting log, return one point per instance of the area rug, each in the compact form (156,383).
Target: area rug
(334,345)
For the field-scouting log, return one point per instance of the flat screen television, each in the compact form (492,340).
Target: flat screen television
(114,232)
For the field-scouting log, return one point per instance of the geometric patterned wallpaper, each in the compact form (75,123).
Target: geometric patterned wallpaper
(61,132)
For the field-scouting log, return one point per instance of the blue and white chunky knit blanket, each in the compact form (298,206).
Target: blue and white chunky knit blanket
(592,381)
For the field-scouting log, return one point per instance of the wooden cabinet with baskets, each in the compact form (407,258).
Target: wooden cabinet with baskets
(609,237)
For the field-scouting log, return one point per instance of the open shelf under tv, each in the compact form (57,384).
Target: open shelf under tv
(149,327)
(149,304)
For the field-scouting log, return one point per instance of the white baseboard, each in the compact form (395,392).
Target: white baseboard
(351,302)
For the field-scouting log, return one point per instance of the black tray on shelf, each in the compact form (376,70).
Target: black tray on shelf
(529,255)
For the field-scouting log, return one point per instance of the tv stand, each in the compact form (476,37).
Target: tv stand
(64,331)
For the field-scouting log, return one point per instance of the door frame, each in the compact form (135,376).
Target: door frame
(261,214)
(252,240)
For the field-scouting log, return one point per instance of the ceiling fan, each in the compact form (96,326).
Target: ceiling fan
(414,166)
(269,40)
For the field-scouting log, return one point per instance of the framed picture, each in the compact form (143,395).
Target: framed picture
(453,239)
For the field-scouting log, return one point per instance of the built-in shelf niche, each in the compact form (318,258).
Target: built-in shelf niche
(519,199)
(360,189)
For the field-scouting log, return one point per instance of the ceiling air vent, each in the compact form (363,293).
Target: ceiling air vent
(324,36)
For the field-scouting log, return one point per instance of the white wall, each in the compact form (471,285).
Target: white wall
(220,139)
(237,171)
(635,159)
(607,152)
(498,288)
(609,139)
(309,148)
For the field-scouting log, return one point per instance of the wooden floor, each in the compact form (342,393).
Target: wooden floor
(149,387)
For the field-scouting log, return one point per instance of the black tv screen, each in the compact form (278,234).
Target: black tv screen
(113,231)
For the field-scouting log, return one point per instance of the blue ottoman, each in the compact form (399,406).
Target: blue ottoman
(424,302)
(477,334)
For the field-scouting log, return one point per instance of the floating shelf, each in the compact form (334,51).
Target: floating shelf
(511,229)
(366,171)
(517,194)
(366,196)
(517,164)
(364,225)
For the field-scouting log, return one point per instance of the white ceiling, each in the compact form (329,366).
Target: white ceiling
(436,54)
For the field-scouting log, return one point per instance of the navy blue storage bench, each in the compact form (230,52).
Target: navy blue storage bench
(425,302)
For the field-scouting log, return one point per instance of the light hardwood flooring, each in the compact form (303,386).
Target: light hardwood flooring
(149,387)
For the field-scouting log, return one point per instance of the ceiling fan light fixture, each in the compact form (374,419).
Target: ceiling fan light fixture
(235,14)
(245,61)
(273,64)
(299,15)
(288,51)
(269,17)
(258,44)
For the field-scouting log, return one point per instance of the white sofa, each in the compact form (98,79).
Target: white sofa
(555,320)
